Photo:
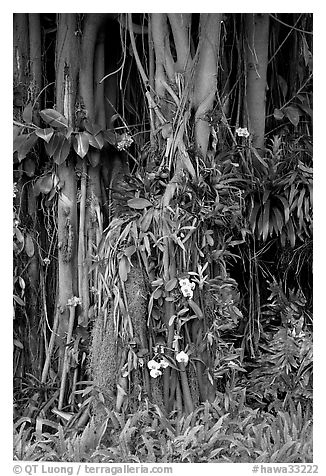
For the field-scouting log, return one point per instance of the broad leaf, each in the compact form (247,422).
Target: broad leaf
(62,150)
(16,131)
(43,185)
(29,245)
(109,137)
(293,114)
(171,284)
(29,167)
(124,268)
(26,146)
(130,251)
(139,203)
(96,141)
(54,118)
(195,308)
(81,144)
(19,140)
(28,113)
(53,143)
(278,114)
(93,129)
(18,300)
(45,134)
(94,157)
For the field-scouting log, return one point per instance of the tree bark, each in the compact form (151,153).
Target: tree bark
(35,62)
(257,28)
(206,76)
(66,83)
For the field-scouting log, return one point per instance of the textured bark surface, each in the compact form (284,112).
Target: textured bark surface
(257,27)
(66,82)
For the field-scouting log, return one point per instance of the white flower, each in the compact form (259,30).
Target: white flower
(242,132)
(163,364)
(125,142)
(46,261)
(155,373)
(184,282)
(182,357)
(153,365)
(187,287)
(187,292)
(74,301)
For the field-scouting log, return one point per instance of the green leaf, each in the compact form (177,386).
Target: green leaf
(93,129)
(171,284)
(29,245)
(81,144)
(29,167)
(19,141)
(53,143)
(26,141)
(43,185)
(18,300)
(96,141)
(266,221)
(286,207)
(300,201)
(291,233)
(278,114)
(16,131)
(54,118)
(146,220)
(94,157)
(139,203)
(124,268)
(266,195)
(196,308)
(45,134)
(283,85)
(28,113)
(62,150)
(130,251)
(109,137)
(279,219)
(253,216)
(293,114)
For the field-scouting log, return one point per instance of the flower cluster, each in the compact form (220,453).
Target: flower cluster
(242,132)
(155,367)
(15,189)
(125,142)
(74,301)
(187,288)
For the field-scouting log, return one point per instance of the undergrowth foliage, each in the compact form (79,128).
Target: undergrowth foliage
(219,432)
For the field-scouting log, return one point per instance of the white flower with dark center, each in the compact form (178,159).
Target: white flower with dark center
(153,365)
(187,288)
(163,364)
(182,357)
(155,373)
(242,132)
